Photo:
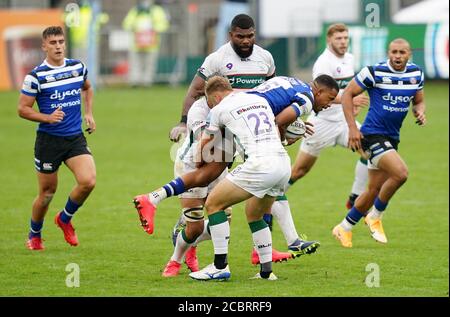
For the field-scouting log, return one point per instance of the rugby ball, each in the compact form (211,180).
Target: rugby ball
(296,129)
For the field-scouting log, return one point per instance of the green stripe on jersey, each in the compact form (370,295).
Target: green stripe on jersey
(243,81)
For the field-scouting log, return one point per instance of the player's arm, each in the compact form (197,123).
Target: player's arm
(359,102)
(87,93)
(195,91)
(285,118)
(418,108)
(26,111)
(353,89)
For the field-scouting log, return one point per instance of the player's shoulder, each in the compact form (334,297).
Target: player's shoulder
(42,67)
(262,51)
(411,67)
(199,105)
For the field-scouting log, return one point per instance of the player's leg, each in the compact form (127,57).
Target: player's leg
(47,184)
(343,231)
(83,168)
(200,177)
(361,173)
(359,182)
(193,215)
(262,237)
(224,195)
(297,245)
(394,166)
(146,203)
(47,159)
(386,166)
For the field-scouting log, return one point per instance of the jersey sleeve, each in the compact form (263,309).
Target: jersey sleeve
(30,86)
(215,123)
(85,72)
(422,81)
(271,63)
(303,105)
(365,78)
(210,66)
(195,120)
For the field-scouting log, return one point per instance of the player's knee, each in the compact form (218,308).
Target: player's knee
(402,176)
(88,183)
(372,192)
(194,230)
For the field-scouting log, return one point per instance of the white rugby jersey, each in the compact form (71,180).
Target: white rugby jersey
(342,70)
(243,73)
(250,119)
(196,120)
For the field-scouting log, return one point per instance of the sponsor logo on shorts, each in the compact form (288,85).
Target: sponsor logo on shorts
(388,144)
(47,166)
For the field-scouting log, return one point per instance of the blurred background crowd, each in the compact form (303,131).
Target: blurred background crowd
(143,42)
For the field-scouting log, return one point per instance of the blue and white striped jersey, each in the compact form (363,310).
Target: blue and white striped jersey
(390,94)
(56,87)
(282,92)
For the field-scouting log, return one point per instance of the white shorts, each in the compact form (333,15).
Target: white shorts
(263,176)
(181,168)
(326,134)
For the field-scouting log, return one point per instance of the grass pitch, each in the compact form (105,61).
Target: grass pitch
(132,153)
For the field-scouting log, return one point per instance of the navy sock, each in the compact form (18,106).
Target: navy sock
(353,216)
(379,205)
(220,261)
(175,187)
(68,212)
(268,218)
(35,229)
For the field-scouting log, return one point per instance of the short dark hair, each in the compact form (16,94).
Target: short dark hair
(327,81)
(242,21)
(52,30)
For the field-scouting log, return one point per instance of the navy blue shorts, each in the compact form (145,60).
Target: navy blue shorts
(51,150)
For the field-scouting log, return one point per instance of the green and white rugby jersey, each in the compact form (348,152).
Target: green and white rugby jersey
(342,70)
(243,73)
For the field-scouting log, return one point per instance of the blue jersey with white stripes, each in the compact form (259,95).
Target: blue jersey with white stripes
(58,86)
(282,92)
(390,94)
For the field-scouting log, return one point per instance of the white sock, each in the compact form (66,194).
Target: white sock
(181,247)
(220,234)
(361,177)
(204,235)
(346,225)
(375,213)
(282,213)
(262,240)
(157,196)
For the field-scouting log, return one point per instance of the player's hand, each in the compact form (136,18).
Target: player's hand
(292,141)
(177,132)
(309,128)
(420,117)
(354,139)
(56,116)
(90,122)
(359,102)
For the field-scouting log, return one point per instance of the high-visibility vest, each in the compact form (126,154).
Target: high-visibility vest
(146,26)
(79,33)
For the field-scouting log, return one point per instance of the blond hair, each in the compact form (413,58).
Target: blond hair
(335,28)
(217,83)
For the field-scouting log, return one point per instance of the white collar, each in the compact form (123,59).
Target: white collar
(55,67)
(396,71)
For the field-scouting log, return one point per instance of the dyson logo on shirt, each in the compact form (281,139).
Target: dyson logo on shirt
(395,99)
(62,95)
